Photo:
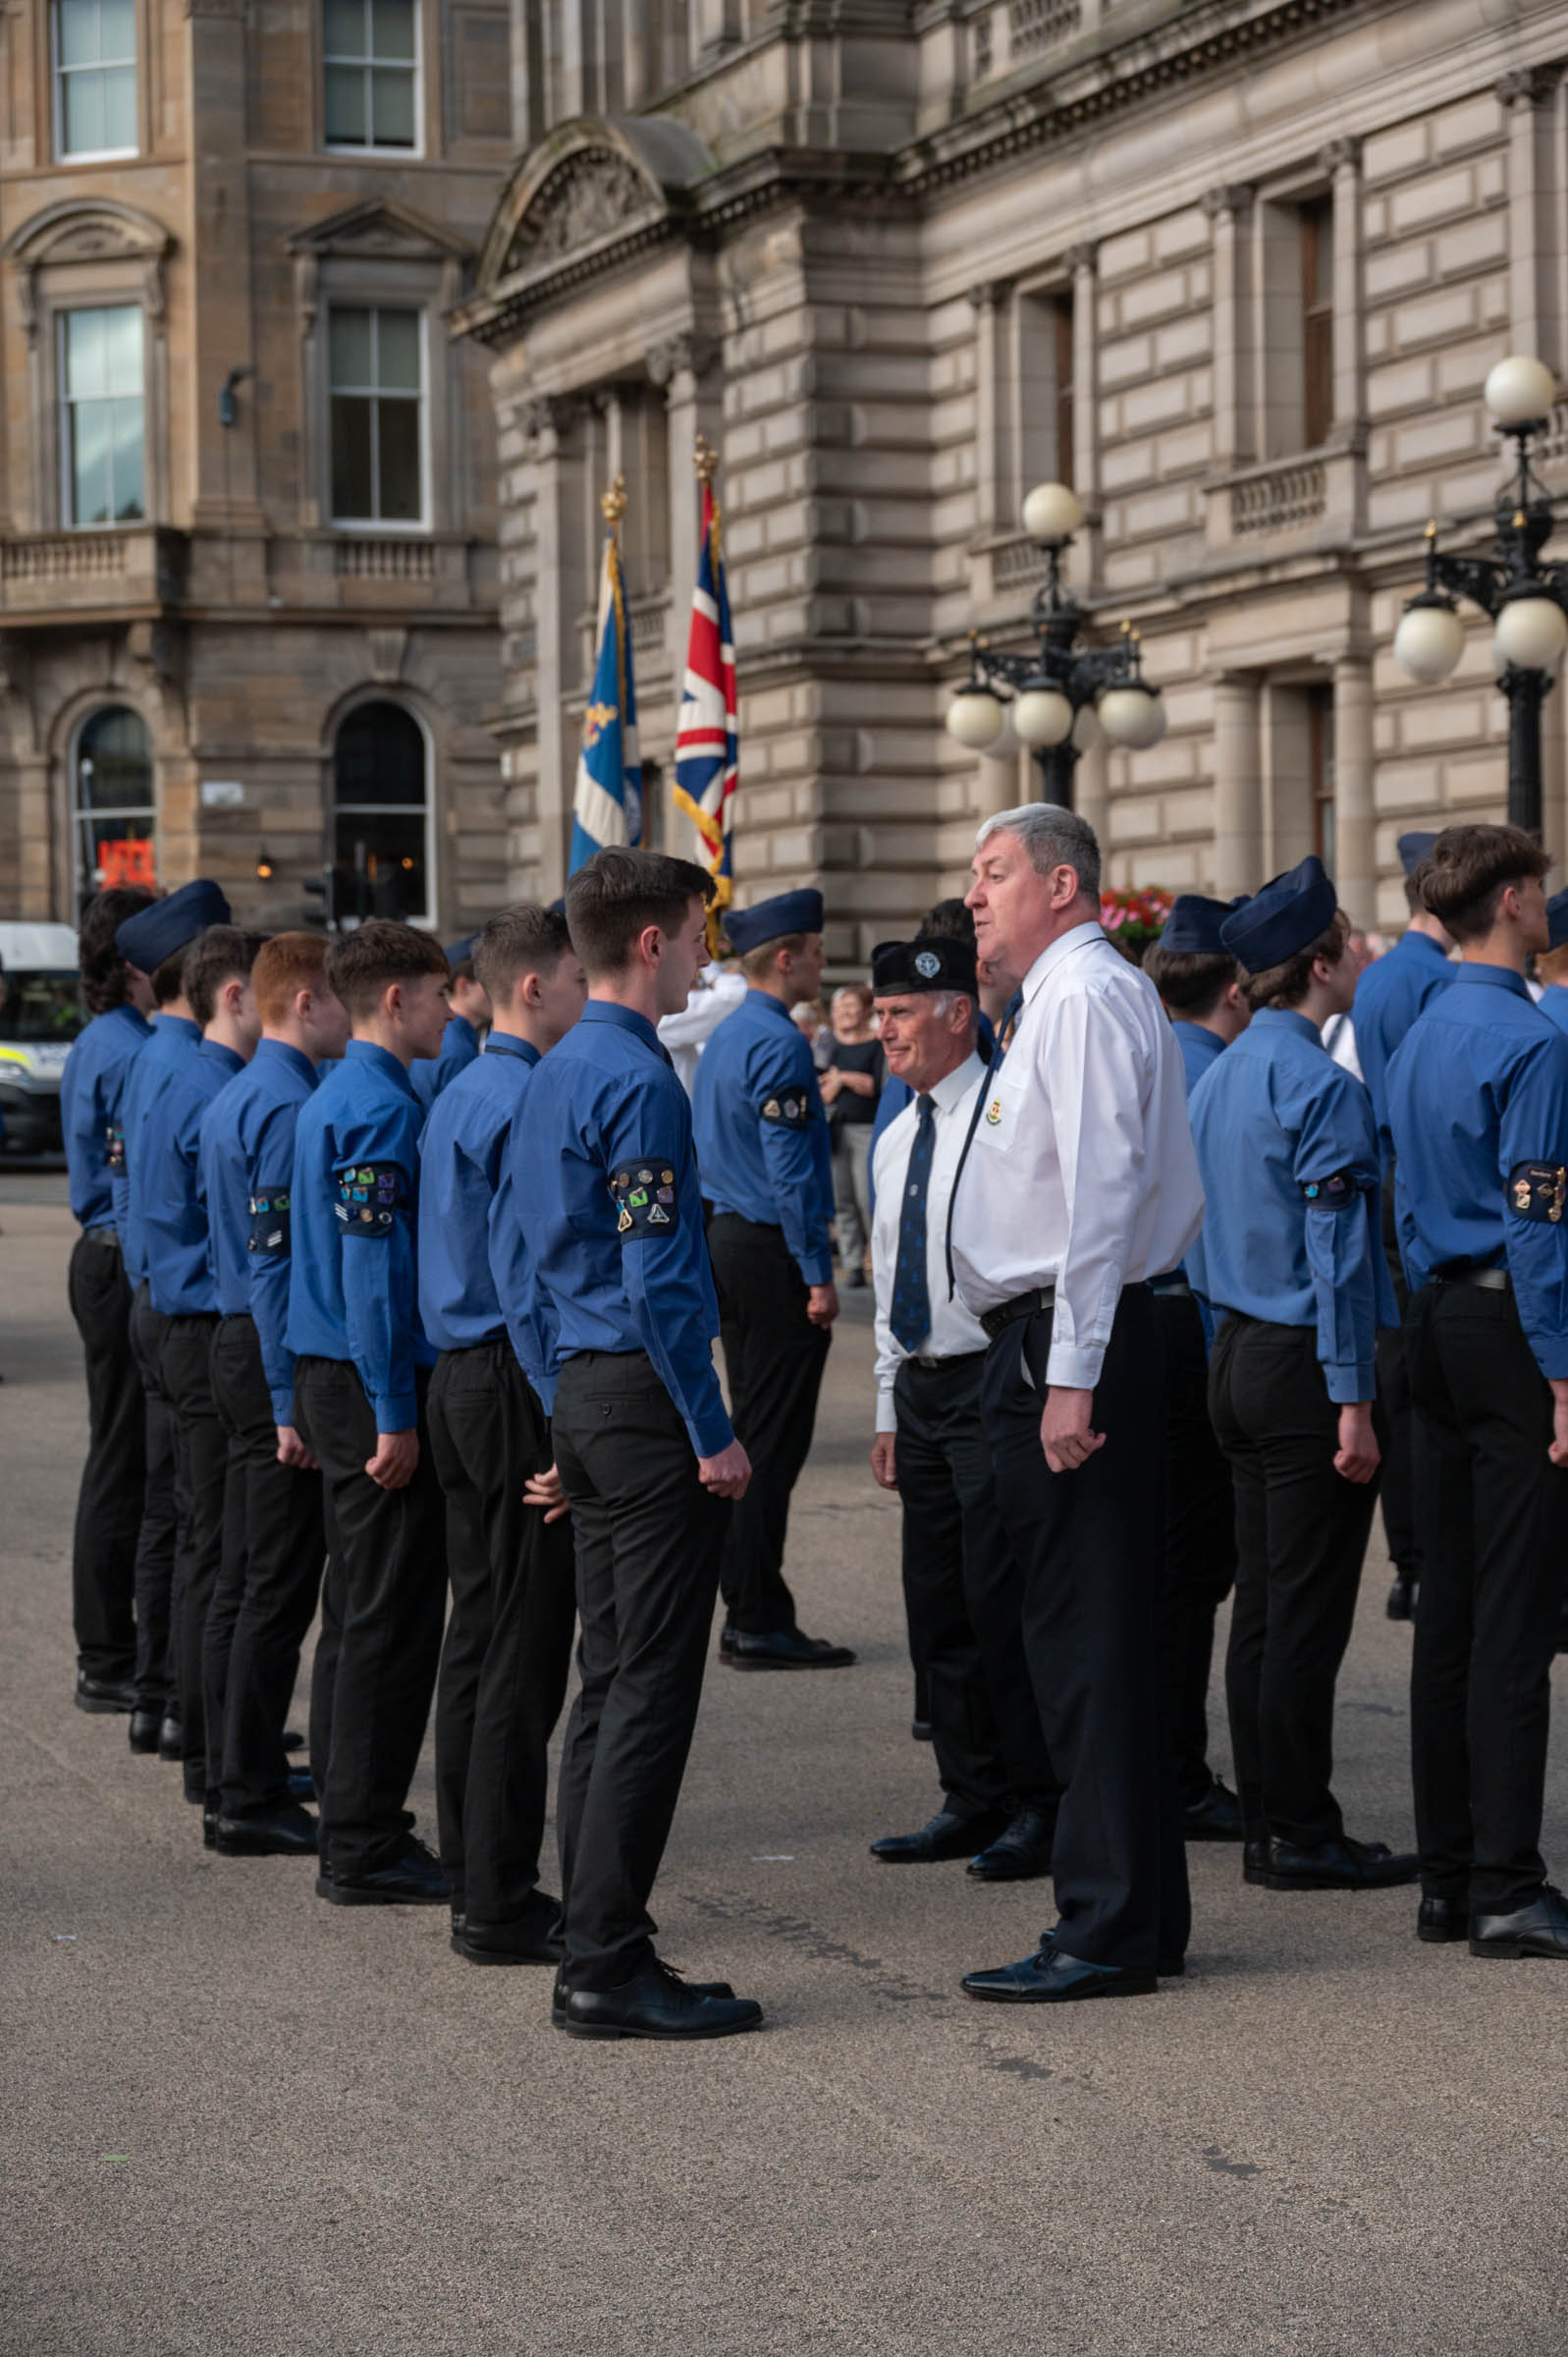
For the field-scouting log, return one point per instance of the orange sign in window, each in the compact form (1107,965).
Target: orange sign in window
(129,861)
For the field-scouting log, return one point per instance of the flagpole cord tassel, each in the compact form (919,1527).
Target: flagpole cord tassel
(613,503)
(705,459)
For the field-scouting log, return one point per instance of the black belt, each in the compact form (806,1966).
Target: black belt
(101,1236)
(1487,1280)
(1174,1287)
(933,1367)
(1023,1306)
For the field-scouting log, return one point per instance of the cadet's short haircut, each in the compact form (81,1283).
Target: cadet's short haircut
(1053,836)
(525,940)
(169,978)
(1190,981)
(1412,883)
(361,965)
(757,963)
(1286,985)
(289,963)
(462,971)
(223,954)
(1467,872)
(617,895)
(948,921)
(104,972)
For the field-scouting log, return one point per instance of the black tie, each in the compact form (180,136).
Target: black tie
(911,1294)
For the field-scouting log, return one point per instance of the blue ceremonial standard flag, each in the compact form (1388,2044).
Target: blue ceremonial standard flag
(607,807)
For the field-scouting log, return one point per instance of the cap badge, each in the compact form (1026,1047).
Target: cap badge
(927,964)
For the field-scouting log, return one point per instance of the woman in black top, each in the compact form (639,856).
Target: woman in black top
(850,1086)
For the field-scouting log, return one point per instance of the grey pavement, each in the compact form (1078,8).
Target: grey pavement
(234,2119)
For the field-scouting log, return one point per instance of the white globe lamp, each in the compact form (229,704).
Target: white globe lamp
(1429,640)
(1132,718)
(976,718)
(1052,513)
(1519,392)
(1531,633)
(1042,717)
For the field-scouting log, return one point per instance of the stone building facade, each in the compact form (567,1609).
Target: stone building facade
(1234,268)
(247,562)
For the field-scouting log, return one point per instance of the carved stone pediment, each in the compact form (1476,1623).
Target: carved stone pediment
(380,230)
(589,195)
(84,231)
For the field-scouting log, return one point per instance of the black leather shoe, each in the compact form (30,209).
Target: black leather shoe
(1442,1919)
(210,1825)
(1050,1978)
(1539,1930)
(532,1938)
(143,1731)
(946,1835)
(727,1639)
(103,1695)
(1018,1855)
(1214,1818)
(411,1879)
(784,1649)
(1342,1865)
(656,2002)
(293,1739)
(920,1731)
(286,1833)
(557,1994)
(1403,1597)
(170,1738)
(1255,1861)
(302,1785)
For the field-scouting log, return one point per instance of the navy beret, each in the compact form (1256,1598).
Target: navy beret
(457,951)
(1412,849)
(1558,920)
(931,962)
(170,924)
(769,921)
(1287,916)
(1193,925)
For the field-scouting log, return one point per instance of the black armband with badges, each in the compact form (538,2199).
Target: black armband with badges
(644,1196)
(114,1139)
(269,1225)
(1538,1190)
(1334,1194)
(787,1107)
(369,1196)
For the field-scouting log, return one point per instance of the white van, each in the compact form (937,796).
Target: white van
(41,1010)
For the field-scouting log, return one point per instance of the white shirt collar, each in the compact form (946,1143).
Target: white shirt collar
(1078,936)
(951,1091)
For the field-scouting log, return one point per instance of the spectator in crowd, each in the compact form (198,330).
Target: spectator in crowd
(851,1084)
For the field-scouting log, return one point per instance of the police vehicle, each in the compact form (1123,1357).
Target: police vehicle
(40,1013)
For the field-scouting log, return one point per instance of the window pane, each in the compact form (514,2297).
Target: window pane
(85,353)
(346,105)
(90,462)
(382,865)
(400,462)
(82,113)
(117,31)
(398,351)
(123,348)
(379,757)
(392,29)
(351,458)
(79,33)
(127,446)
(114,762)
(392,104)
(120,107)
(344,25)
(350,348)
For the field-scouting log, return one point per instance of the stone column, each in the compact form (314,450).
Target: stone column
(1080,260)
(1238,784)
(1230,209)
(996,470)
(1535,202)
(693,391)
(221,460)
(1341,161)
(560,594)
(1355,856)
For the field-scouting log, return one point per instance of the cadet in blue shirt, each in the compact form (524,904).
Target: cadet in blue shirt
(217,981)
(459,1041)
(1478,1106)
(1390,996)
(1289,1255)
(767,1179)
(1552,967)
(155,943)
(103,1555)
(507,1645)
(1199,983)
(611,1221)
(274,1539)
(361,1373)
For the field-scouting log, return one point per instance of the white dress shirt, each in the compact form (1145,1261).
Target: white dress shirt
(953,1329)
(1339,1038)
(1081,1174)
(717,992)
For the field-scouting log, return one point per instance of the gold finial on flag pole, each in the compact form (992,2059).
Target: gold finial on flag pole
(613,503)
(705,459)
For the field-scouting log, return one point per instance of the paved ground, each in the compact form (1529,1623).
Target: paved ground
(237,2121)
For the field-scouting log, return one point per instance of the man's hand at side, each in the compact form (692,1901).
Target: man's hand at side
(884,1459)
(397,1455)
(292,1450)
(821,1304)
(1065,1434)
(545,1490)
(1358,1455)
(727,1474)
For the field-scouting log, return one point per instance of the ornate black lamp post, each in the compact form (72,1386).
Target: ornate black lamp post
(1526,597)
(1059,692)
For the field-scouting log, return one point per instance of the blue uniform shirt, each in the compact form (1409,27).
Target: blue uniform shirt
(1199,1048)
(247,1168)
(1478,1106)
(761,1131)
(1292,1233)
(352,1287)
(605,1186)
(1553,1001)
(175,1040)
(460,1157)
(92,1110)
(460,1047)
(174,1208)
(1390,996)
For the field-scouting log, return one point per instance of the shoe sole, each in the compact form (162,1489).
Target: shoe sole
(1515,1951)
(1008,1874)
(350,1894)
(743,1661)
(143,1749)
(1324,1881)
(97,1709)
(1132,1984)
(594,2029)
(492,1956)
(250,1845)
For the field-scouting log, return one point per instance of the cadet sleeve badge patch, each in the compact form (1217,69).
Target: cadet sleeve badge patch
(269,1225)
(1538,1190)
(369,1194)
(644,1196)
(1332,1193)
(788,1109)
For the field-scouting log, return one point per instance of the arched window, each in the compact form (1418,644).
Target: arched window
(381,816)
(114,800)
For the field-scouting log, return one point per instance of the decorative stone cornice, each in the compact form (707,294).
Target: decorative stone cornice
(1336,154)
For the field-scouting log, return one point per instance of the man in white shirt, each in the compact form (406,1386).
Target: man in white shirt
(717,992)
(1080,1184)
(963,1592)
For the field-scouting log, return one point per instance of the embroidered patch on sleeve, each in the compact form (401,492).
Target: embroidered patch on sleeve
(787,1107)
(369,1196)
(1334,1194)
(1538,1190)
(114,1138)
(269,1225)
(644,1196)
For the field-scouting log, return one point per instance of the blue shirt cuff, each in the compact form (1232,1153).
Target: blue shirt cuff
(1550,1351)
(282,1406)
(1351,1383)
(395,1411)
(816,1268)
(711,1433)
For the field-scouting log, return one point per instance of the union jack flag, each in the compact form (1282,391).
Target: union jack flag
(707,741)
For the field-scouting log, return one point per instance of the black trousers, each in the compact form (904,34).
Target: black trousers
(1493,1516)
(391,1545)
(163,1507)
(648,1542)
(103,1556)
(274,1547)
(1199,1543)
(773,1358)
(1396,1481)
(201,1451)
(507,1647)
(1301,1533)
(963,1595)
(1090,1545)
